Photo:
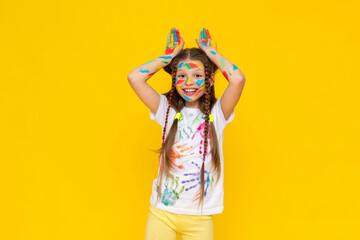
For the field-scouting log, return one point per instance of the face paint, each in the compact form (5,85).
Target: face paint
(190,65)
(200,83)
(188,80)
(213,52)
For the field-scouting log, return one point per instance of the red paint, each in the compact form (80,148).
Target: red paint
(169,51)
(180,82)
(151,74)
(207,34)
(193,65)
(178,36)
(226,75)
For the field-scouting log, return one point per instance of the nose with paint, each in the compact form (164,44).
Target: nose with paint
(189,89)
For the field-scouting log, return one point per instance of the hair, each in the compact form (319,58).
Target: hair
(206,103)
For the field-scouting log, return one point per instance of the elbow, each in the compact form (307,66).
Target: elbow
(130,77)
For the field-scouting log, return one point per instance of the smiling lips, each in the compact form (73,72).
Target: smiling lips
(192,92)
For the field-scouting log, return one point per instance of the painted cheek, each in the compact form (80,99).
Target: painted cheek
(178,82)
(200,82)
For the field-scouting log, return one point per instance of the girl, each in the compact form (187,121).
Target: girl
(191,160)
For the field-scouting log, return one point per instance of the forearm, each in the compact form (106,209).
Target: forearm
(146,70)
(230,71)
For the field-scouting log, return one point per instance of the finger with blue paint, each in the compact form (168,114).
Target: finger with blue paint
(206,42)
(175,43)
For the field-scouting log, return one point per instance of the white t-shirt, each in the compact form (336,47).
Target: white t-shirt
(181,193)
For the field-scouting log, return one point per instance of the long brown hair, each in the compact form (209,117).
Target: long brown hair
(206,102)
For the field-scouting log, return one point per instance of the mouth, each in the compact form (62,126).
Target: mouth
(190,91)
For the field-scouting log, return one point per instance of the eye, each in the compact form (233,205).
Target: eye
(199,75)
(180,76)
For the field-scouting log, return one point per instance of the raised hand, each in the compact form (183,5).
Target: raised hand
(206,42)
(175,43)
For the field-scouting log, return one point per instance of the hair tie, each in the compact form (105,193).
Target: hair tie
(211,118)
(178,115)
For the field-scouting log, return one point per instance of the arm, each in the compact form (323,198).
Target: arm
(230,71)
(137,78)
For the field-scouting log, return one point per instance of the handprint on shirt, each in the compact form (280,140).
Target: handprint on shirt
(176,154)
(201,129)
(170,195)
(197,179)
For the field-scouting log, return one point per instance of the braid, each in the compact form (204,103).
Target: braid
(206,129)
(164,129)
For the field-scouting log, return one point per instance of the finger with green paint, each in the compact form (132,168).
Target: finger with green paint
(206,42)
(175,43)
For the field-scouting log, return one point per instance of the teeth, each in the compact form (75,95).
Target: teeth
(186,90)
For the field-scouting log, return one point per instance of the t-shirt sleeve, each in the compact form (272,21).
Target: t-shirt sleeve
(219,118)
(159,116)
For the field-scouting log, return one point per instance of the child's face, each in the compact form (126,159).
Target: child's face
(190,75)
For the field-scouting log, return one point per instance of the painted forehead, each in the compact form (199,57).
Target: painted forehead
(190,65)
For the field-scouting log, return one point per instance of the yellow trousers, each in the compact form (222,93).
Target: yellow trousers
(163,225)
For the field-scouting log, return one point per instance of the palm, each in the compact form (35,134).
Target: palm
(175,43)
(205,42)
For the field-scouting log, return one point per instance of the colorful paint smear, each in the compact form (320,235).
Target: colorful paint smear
(195,177)
(166,57)
(226,75)
(173,42)
(144,70)
(171,194)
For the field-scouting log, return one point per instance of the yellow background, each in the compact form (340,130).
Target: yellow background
(75,138)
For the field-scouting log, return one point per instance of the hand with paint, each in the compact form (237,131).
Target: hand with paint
(175,43)
(207,43)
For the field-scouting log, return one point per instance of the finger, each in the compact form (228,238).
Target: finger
(178,36)
(175,36)
(204,34)
(168,40)
(172,38)
(200,35)
(208,34)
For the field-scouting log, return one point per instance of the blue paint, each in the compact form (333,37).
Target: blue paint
(187,98)
(175,36)
(181,64)
(200,82)
(235,67)
(144,71)
(204,44)
(166,57)
(213,52)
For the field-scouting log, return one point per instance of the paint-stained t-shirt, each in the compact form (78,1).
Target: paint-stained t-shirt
(181,191)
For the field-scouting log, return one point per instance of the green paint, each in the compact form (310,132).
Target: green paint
(170,194)
(165,62)
(148,62)
(187,66)
(222,61)
(187,135)
(190,129)
(196,120)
